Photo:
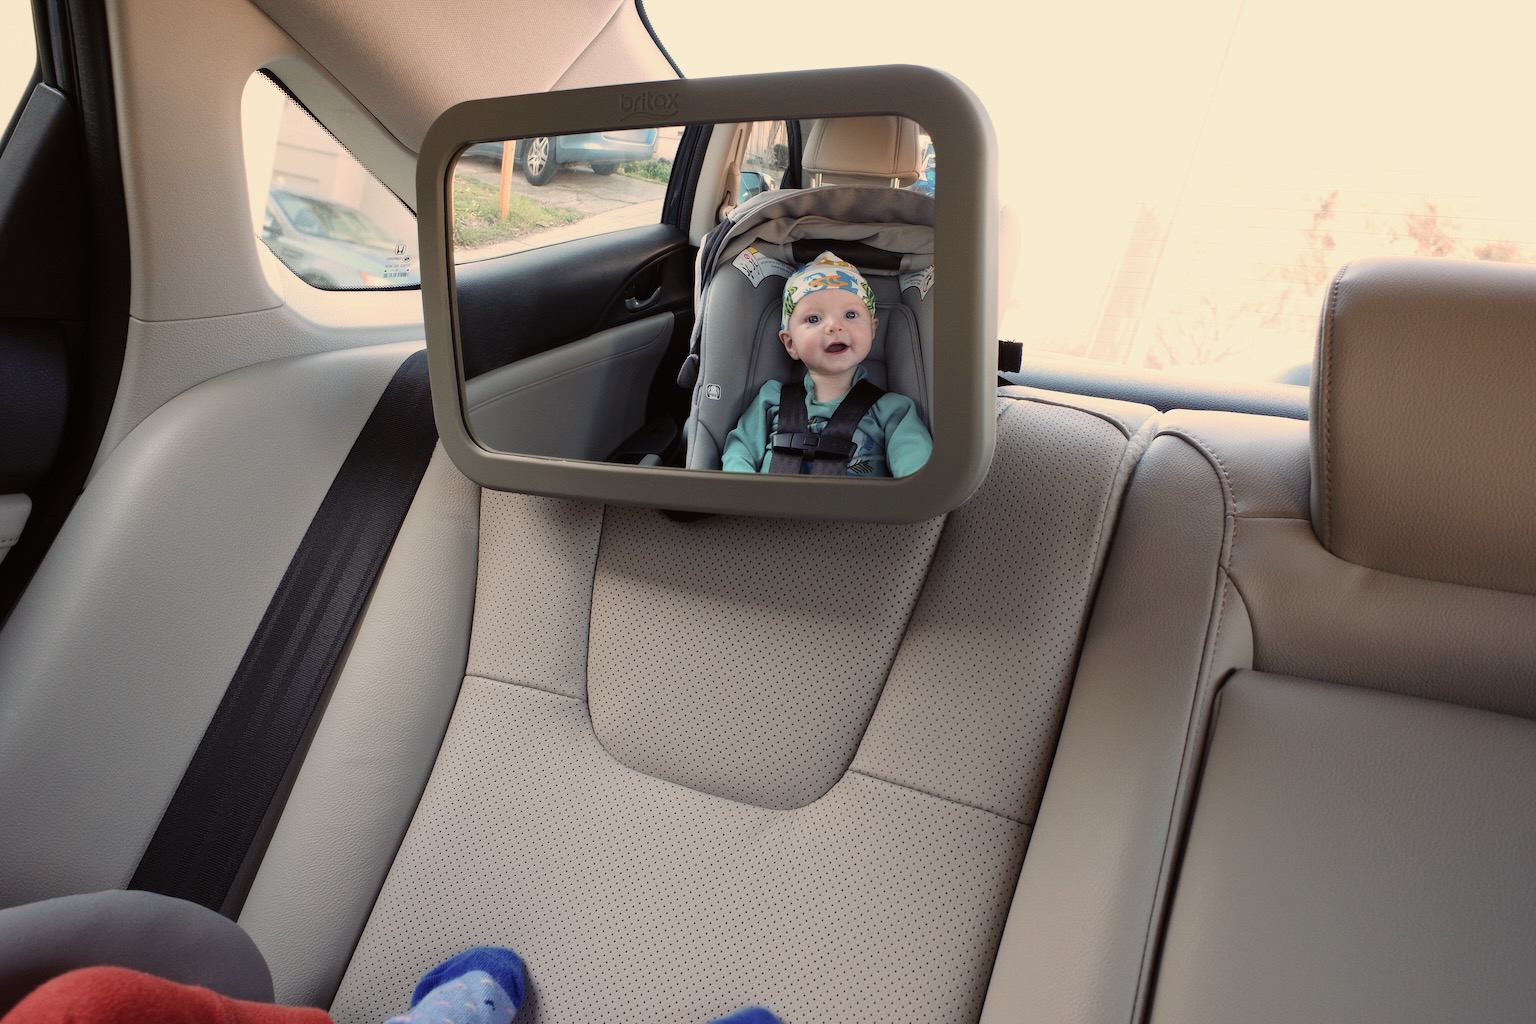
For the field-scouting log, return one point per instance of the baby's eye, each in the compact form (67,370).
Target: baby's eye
(814,318)
(852,314)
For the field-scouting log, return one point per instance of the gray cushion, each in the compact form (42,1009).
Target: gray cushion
(143,931)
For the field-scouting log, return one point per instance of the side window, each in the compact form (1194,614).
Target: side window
(317,209)
(525,193)
(766,159)
(18,54)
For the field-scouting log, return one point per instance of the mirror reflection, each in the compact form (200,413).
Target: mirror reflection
(794,337)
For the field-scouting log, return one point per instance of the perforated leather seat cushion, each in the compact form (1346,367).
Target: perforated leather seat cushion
(782,763)
(1216,574)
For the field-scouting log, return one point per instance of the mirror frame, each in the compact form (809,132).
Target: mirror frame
(963,419)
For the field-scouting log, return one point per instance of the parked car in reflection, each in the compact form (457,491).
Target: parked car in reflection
(541,156)
(334,246)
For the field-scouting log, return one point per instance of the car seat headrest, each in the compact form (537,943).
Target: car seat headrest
(1424,421)
(863,151)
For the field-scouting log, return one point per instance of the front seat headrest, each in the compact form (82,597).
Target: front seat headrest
(1424,421)
(863,151)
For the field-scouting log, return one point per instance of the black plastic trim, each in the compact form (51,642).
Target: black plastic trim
(34,396)
(687,167)
(41,214)
(792,176)
(1162,391)
(645,19)
(514,306)
(26,95)
(77,36)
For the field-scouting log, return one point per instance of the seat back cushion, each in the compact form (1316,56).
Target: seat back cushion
(696,766)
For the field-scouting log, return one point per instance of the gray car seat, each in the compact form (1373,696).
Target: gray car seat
(742,267)
(141,931)
(1305,720)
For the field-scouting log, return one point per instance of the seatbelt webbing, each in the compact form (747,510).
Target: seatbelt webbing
(208,828)
(829,451)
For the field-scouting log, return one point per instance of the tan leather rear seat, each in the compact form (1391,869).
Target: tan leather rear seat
(697,766)
(800,765)
(1297,779)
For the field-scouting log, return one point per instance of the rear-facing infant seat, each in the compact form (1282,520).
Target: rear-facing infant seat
(887,233)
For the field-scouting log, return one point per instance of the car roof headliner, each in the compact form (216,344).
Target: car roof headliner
(406,63)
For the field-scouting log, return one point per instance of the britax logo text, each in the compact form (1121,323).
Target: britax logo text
(639,103)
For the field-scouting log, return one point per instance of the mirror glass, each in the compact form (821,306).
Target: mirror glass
(581,336)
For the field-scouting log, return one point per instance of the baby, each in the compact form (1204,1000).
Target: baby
(847,425)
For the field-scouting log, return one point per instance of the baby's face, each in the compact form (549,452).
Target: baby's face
(830,331)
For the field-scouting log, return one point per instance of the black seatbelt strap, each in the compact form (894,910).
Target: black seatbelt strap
(216,814)
(795,444)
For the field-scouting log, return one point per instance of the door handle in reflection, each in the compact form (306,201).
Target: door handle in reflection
(635,304)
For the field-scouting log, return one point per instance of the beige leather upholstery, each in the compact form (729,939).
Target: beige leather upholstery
(116,658)
(651,755)
(696,766)
(1426,375)
(1354,856)
(863,151)
(1351,812)
(803,764)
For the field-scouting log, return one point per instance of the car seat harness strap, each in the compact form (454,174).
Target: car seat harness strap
(798,449)
(220,810)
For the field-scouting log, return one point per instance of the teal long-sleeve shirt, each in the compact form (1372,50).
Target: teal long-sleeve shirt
(889,441)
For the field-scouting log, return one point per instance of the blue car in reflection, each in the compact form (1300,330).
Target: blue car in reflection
(543,155)
(334,246)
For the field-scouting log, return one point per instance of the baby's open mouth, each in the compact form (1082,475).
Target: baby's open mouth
(836,347)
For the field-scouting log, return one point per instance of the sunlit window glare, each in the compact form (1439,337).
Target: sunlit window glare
(1183,181)
(18,54)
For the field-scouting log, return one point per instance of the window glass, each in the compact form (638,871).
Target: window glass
(315,207)
(1183,180)
(765,161)
(524,193)
(18,54)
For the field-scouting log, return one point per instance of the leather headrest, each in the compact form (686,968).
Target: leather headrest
(863,151)
(1424,421)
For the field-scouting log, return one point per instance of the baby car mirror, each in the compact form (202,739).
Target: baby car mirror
(741,295)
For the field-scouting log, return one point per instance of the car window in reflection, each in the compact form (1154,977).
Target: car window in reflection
(322,214)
